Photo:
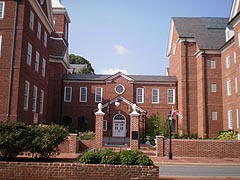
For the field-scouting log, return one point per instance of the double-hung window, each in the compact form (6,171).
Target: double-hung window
(34,105)
(41,101)
(214,116)
(104,125)
(37,61)
(26,95)
(140,95)
(229,88)
(67,94)
(230,119)
(155,95)
(45,38)
(2,5)
(171,96)
(0,45)
(43,67)
(31,20)
(83,94)
(98,94)
(29,54)
(228,62)
(39,30)
(213,88)
(212,64)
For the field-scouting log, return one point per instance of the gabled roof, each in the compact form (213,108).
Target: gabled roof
(132,78)
(209,33)
(234,10)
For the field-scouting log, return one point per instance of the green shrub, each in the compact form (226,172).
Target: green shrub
(46,140)
(110,157)
(88,135)
(227,135)
(13,139)
(91,157)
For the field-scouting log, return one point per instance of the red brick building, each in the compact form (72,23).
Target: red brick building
(34,56)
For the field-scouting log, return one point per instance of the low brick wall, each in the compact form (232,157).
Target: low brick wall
(74,171)
(85,145)
(71,145)
(198,148)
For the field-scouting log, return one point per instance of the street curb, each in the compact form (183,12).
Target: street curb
(195,164)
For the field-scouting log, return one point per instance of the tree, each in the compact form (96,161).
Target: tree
(76,59)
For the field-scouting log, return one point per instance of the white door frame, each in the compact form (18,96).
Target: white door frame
(119,126)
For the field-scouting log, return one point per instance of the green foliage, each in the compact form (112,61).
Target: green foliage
(227,135)
(41,140)
(110,157)
(88,135)
(46,140)
(75,59)
(13,139)
(157,125)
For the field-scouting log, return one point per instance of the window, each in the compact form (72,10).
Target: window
(236,84)
(67,94)
(212,64)
(83,94)
(237,118)
(104,125)
(45,38)
(66,31)
(29,54)
(0,45)
(2,4)
(229,88)
(37,61)
(41,101)
(213,88)
(44,67)
(155,95)
(228,62)
(98,94)
(214,116)
(39,29)
(229,119)
(171,96)
(31,20)
(119,89)
(26,95)
(235,57)
(34,105)
(140,95)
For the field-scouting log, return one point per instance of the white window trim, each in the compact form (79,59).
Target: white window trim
(41,102)
(142,95)
(0,45)
(230,119)
(29,54)
(80,94)
(155,89)
(31,20)
(45,38)
(229,88)
(228,62)
(39,30)
(43,67)
(65,90)
(26,95)
(3,9)
(37,61)
(213,87)
(235,57)
(173,96)
(236,85)
(214,116)
(212,64)
(98,94)
(237,118)
(104,125)
(35,92)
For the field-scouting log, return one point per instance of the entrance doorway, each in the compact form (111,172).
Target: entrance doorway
(119,126)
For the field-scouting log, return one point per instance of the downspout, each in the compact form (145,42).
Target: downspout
(187,86)
(204,55)
(8,114)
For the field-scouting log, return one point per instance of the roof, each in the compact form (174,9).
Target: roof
(103,77)
(209,33)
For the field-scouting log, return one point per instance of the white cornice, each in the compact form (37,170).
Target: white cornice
(59,61)
(37,8)
(170,38)
(62,11)
(227,46)
(234,9)
(188,39)
(200,52)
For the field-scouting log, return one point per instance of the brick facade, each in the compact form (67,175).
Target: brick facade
(74,171)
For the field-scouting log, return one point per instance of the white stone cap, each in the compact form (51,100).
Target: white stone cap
(99,112)
(57,4)
(134,113)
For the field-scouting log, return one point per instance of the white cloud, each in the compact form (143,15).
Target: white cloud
(120,50)
(113,71)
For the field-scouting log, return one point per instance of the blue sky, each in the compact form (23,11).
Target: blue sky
(131,35)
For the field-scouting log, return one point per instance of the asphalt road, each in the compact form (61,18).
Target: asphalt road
(199,171)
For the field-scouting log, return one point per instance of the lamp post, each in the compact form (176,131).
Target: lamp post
(170,120)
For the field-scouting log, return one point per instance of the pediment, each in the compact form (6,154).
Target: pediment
(119,74)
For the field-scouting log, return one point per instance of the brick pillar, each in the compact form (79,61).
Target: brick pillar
(160,148)
(73,143)
(134,129)
(99,127)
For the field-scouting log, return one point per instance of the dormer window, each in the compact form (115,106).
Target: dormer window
(229,33)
